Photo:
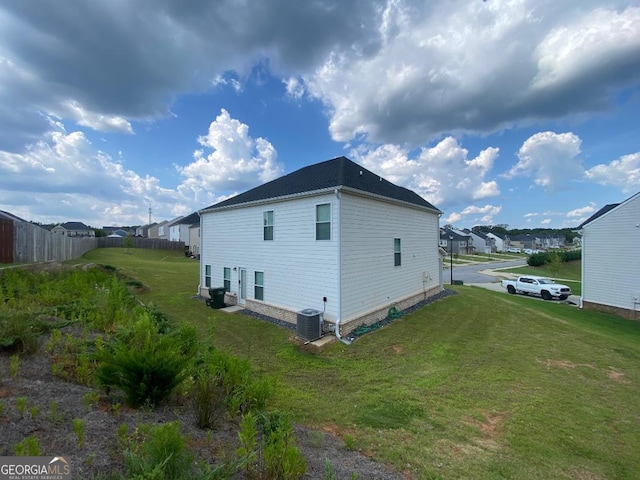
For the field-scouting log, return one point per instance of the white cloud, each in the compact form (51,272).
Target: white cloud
(582,211)
(443,174)
(230,160)
(295,88)
(623,173)
(552,159)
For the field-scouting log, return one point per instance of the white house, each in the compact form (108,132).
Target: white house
(179,230)
(610,261)
(498,242)
(164,231)
(333,237)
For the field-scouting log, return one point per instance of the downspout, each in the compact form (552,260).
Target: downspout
(582,263)
(338,234)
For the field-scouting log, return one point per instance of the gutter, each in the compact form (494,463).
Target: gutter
(336,192)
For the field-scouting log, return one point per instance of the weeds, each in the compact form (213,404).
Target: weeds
(79,430)
(13,366)
(21,405)
(90,398)
(34,412)
(55,415)
(28,447)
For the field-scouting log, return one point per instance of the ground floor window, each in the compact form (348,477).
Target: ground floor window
(207,276)
(227,279)
(259,286)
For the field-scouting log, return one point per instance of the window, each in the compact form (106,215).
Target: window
(227,279)
(397,252)
(323,221)
(268,225)
(258,293)
(207,276)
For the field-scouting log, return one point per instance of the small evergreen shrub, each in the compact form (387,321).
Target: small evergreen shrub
(145,365)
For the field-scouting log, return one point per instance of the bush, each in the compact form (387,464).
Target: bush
(145,365)
(19,331)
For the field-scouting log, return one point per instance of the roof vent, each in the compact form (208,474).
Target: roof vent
(360,172)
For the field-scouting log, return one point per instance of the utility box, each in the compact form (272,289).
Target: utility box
(216,297)
(309,324)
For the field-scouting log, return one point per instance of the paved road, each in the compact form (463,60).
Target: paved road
(470,273)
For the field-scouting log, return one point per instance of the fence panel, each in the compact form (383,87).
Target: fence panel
(6,241)
(35,244)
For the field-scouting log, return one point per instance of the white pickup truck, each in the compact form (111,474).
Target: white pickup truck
(532,285)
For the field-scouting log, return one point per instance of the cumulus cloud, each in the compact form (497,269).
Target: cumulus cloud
(552,160)
(444,174)
(438,71)
(623,173)
(582,211)
(230,159)
(64,176)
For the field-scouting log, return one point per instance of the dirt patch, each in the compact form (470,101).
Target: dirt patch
(617,376)
(582,474)
(51,406)
(397,349)
(491,424)
(563,364)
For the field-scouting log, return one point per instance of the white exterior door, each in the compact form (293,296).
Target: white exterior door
(242,290)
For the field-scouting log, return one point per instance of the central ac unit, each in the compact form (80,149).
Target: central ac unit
(309,326)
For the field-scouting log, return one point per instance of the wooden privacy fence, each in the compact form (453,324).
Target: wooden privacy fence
(23,242)
(139,242)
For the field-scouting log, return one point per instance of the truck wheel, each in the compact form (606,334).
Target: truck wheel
(511,289)
(545,295)
(563,297)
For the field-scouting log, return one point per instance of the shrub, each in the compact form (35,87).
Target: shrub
(145,365)
(19,331)
(29,447)
(162,451)
(281,458)
(206,399)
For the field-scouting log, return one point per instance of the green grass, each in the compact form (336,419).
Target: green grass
(478,385)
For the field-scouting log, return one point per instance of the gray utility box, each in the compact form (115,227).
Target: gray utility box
(309,326)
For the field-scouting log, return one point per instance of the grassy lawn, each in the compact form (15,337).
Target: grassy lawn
(478,385)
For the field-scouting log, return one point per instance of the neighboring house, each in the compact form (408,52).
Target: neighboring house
(74,229)
(523,241)
(115,231)
(179,230)
(333,237)
(481,243)
(154,230)
(143,231)
(164,231)
(499,242)
(456,241)
(194,239)
(611,273)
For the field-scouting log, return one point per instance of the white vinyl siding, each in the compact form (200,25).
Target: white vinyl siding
(369,278)
(610,262)
(300,271)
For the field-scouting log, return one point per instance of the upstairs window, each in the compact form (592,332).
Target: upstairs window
(323,221)
(397,252)
(267,222)
(258,293)
(227,279)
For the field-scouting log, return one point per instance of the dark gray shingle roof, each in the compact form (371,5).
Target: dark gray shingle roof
(338,172)
(599,213)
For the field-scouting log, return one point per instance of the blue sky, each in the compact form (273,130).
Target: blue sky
(517,112)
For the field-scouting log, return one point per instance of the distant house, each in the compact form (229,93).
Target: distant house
(194,239)
(116,231)
(611,273)
(499,242)
(179,230)
(331,237)
(164,230)
(456,242)
(154,230)
(481,243)
(74,229)
(143,231)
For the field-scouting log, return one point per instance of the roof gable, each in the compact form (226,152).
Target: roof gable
(606,209)
(338,172)
(74,226)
